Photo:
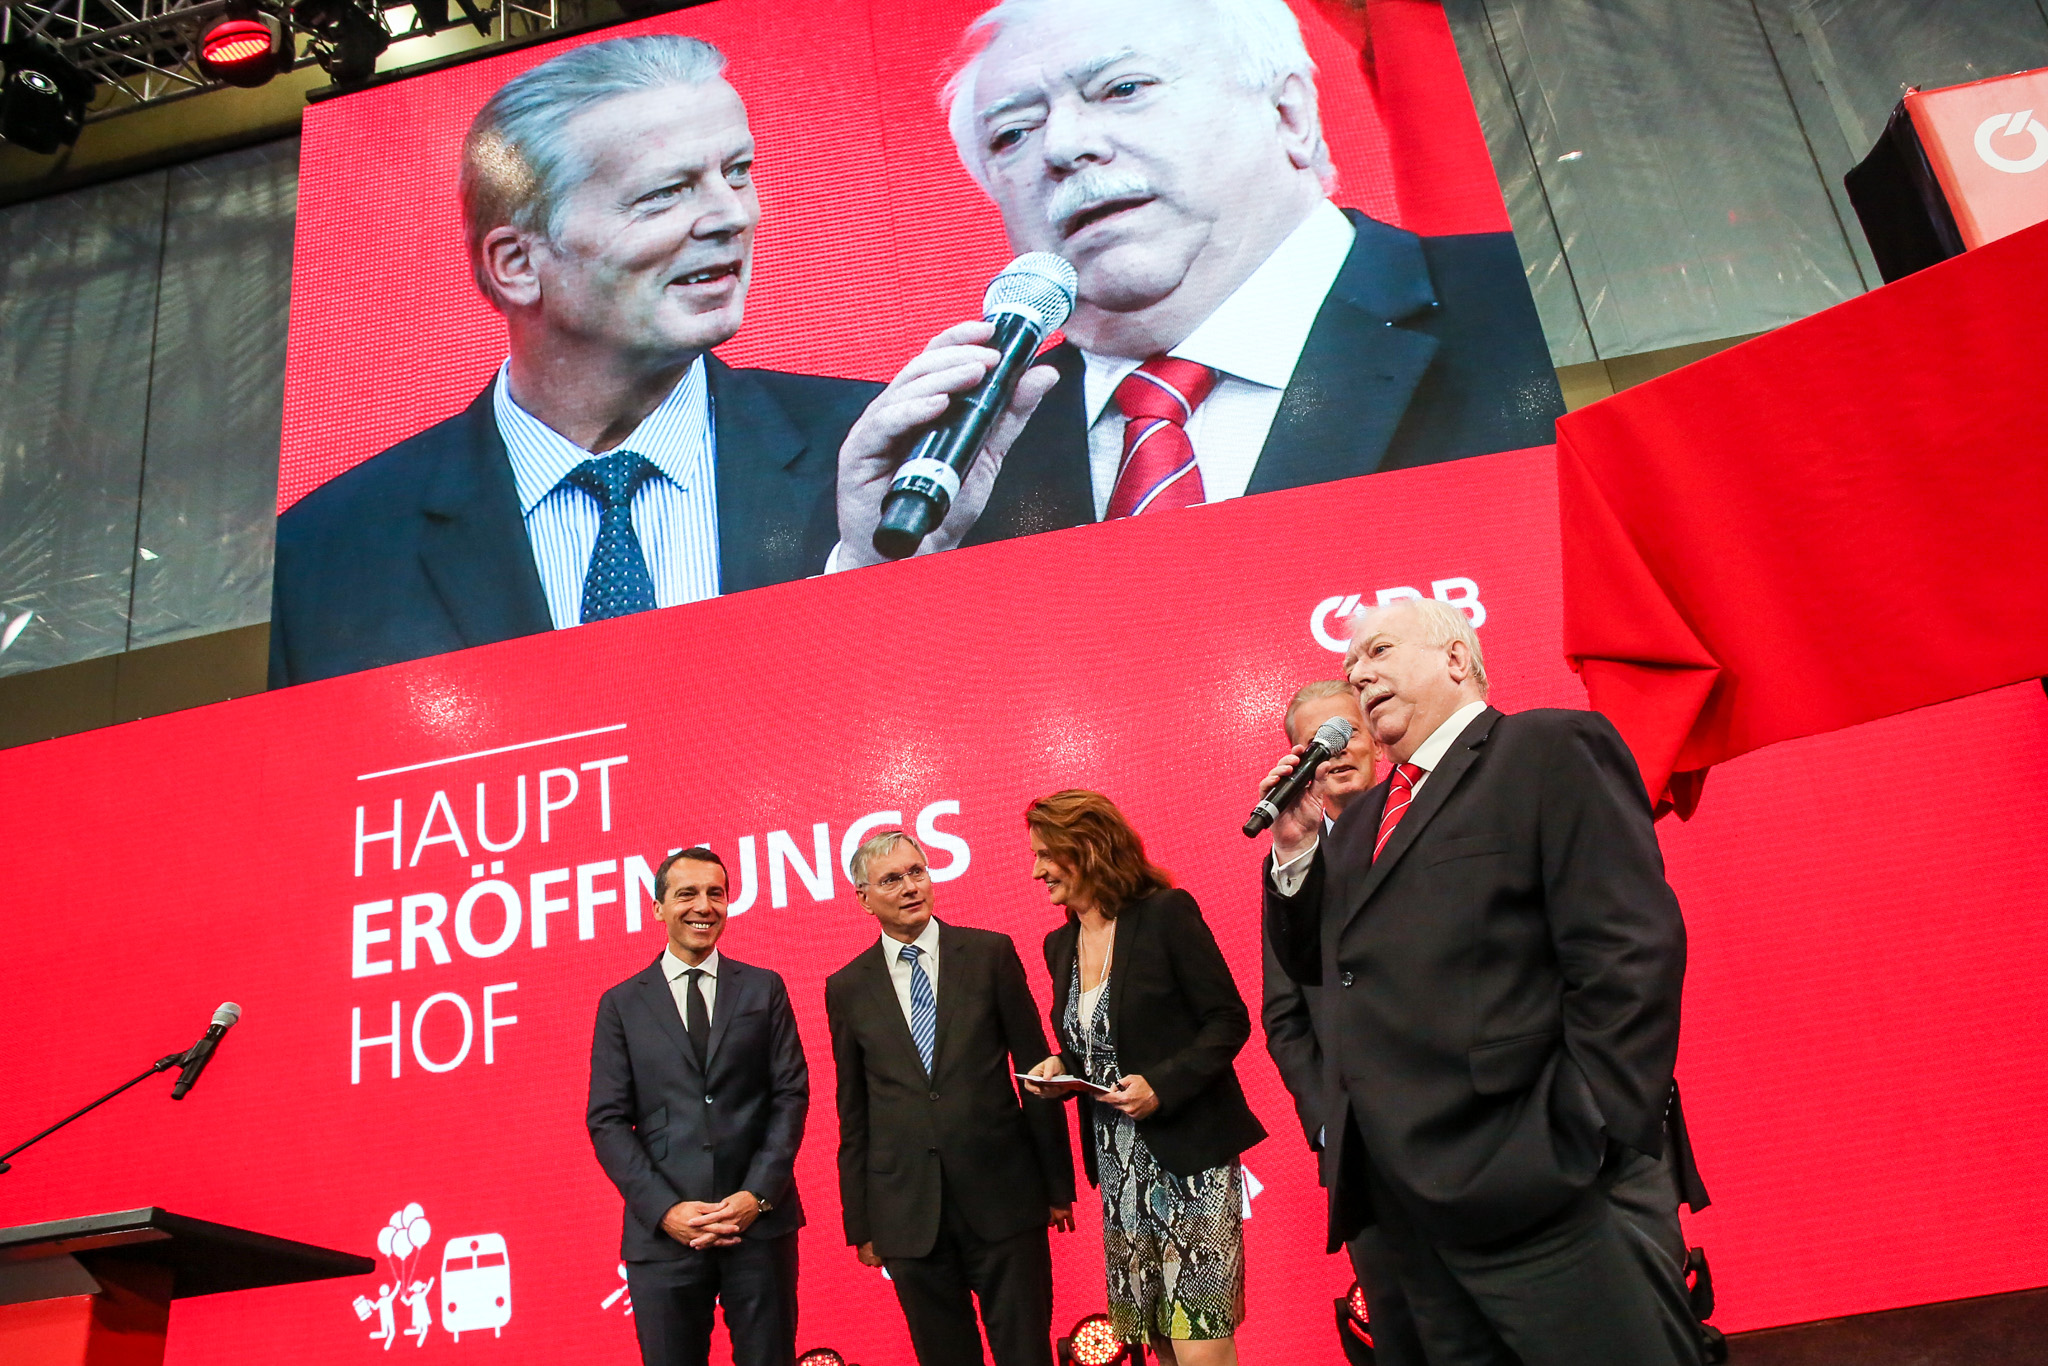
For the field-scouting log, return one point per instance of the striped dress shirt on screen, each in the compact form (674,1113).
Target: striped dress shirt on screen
(675,513)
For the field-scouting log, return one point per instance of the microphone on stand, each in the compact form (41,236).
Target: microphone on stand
(1027,302)
(1330,739)
(196,1058)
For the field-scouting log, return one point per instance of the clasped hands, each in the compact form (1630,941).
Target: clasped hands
(1133,1094)
(700,1224)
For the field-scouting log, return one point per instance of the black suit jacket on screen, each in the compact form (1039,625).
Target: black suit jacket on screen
(1426,349)
(667,1129)
(1178,1021)
(1005,1160)
(1500,989)
(422,549)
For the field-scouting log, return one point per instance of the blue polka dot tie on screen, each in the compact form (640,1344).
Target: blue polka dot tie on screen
(617,583)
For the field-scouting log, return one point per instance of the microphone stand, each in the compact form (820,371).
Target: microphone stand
(163,1064)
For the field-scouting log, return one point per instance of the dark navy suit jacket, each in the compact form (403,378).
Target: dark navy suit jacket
(667,1129)
(1426,349)
(422,549)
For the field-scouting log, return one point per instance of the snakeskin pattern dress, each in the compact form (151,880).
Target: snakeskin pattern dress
(1173,1246)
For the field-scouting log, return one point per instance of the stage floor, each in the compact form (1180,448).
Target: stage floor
(1992,1330)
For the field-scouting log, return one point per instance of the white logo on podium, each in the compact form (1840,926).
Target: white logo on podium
(2012,126)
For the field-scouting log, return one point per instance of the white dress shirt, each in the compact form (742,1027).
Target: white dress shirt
(1288,876)
(675,513)
(677,972)
(1253,339)
(927,942)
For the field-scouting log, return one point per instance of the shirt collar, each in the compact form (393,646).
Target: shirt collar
(1431,752)
(675,438)
(927,942)
(1258,332)
(673,967)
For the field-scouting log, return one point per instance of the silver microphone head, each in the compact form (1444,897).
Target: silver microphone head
(228,1013)
(1334,734)
(1038,285)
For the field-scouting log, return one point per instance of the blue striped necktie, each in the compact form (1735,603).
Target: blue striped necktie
(617,582)
(924,1006)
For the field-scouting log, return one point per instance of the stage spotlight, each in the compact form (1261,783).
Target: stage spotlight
(244,47)
(1094,1343)
(1354,1328)
(347,38)
(42,97)
(821,1356)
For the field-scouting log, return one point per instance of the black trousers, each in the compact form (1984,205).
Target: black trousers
(1395,1341)
(755,1281)
(1012,1277)
(1590,1284)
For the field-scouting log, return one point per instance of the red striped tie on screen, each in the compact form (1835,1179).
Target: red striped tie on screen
(1158,471)
(1402,792)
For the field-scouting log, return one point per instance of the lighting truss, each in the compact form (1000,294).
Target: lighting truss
(146,52)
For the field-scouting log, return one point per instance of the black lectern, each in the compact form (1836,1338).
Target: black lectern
(99,1289)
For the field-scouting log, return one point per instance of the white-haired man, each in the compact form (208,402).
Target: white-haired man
(612,465)
(1501,961)
(1236,330)
(947,1176)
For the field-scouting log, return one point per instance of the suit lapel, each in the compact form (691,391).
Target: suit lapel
(1443,780)
(882,999)
(763,507)
(953,948)
(1044,484)
(1130,927)
(474,547)
(1353,380)
(654,991)
(735,980)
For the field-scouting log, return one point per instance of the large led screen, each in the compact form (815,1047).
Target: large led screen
(511,268)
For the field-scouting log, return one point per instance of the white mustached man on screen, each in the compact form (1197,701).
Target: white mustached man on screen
(612,465)
(1236,330)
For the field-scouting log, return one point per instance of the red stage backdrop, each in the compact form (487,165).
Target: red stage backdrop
(1863,1066)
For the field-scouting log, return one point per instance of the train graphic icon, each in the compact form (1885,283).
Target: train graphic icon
(476,1285)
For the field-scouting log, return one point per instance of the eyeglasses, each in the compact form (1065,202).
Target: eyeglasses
(893,882)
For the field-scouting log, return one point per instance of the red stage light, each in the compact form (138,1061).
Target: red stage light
(241,52)
(1093,1343)
(821,1356)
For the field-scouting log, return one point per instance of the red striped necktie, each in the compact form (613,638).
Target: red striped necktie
(1399,794)
(1158,470)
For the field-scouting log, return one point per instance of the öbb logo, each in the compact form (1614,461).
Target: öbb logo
(1329,622)
(2012,126)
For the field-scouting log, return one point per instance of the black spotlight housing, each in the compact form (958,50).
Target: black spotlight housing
(821,1356)
(245,46)
(42,97)
(347,37)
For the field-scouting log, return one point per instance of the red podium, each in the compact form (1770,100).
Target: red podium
(97,1291)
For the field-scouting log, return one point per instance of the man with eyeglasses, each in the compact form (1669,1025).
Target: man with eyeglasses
(947,1176)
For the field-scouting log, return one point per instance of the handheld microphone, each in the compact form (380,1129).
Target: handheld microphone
(200,1053)
(1330,739)
(1027,302)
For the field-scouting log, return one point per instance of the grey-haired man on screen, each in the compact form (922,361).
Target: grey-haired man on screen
(1236,330)
(612,465)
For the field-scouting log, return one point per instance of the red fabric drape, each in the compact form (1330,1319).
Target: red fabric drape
(1842,520)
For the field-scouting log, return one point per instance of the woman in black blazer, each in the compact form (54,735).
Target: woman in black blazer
(1144,1004)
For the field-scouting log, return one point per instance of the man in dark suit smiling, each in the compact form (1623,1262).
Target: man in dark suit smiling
(613,464)
(698,1092)
(945,1177)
